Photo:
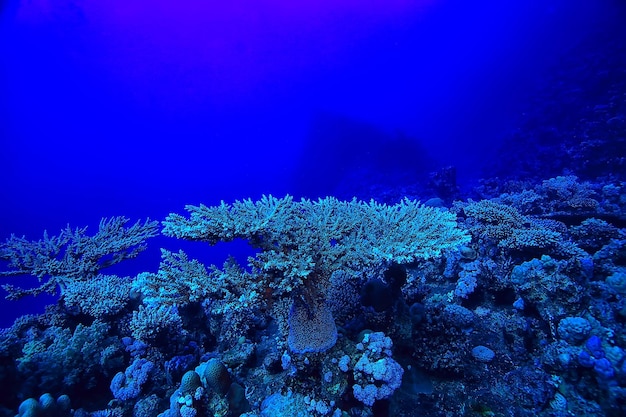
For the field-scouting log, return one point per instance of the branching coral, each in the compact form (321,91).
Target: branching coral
(566,194)
(58,358)
(303,243)
(103,295)
(306,239)
(563,195)
(228,295)
(508,228)
(180,281)
(149,324)
(73,255)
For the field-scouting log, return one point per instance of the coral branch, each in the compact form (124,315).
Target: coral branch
(73,255)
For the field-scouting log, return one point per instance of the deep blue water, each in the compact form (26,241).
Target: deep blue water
(138,108)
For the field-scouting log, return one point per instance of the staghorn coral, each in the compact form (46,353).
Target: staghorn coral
(185,312)
(73,256)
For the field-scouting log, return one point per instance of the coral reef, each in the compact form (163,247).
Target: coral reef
(513,305)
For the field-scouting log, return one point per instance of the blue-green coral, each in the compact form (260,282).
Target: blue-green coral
(303,243)
(58,357)
(300,240)
(73,256)
(508,228)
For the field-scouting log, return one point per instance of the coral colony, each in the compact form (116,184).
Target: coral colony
(512,305)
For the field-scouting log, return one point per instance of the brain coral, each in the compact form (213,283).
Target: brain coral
(214,375)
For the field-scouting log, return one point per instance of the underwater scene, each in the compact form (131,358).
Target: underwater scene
(334,208)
